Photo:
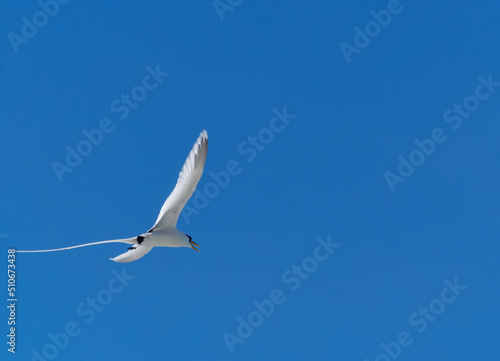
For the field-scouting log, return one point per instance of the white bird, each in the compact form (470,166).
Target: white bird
(164,233)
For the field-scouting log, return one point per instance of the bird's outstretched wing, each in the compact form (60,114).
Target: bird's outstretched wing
(124,240)
(134,253)
(186,184)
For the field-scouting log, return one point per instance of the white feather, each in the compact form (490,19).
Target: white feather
(186,184)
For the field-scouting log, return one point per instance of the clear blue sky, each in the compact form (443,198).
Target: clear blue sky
(389,151)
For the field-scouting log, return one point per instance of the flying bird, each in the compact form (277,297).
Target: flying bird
(164,233)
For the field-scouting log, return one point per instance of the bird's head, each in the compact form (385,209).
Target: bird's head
(192,243)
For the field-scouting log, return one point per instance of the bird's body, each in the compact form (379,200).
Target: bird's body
(164,233)
(170,237)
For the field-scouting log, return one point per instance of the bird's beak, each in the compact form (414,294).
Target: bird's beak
(195,244)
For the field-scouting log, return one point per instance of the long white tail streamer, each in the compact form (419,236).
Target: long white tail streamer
(125,240)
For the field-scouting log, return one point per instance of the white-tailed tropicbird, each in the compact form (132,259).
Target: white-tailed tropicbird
(164,233)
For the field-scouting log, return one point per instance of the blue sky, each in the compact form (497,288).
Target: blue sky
(363,225)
